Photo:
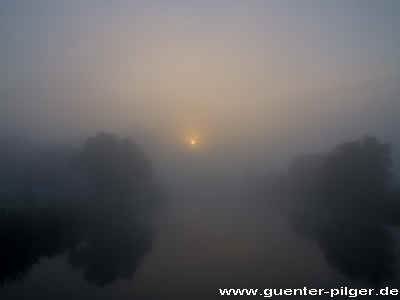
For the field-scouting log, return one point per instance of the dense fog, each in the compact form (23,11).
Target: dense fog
(170,149)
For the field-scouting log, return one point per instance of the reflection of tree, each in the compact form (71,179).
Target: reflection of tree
(106,249)
(112,249)
(102,237)
(342,201)
(26,237)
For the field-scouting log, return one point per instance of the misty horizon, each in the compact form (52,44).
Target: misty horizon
(202,142)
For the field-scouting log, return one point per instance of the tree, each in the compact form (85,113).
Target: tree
(342,200)
(108,241)
(14,152)
(117,172)
(282,190)
(49,166)
(303,170)
(354,183)
(356,173)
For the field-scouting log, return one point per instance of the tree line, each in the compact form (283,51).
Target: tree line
(104,234)
(344,201)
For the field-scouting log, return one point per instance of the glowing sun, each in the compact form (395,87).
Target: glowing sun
(193,142)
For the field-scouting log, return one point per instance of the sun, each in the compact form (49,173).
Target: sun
(193,142)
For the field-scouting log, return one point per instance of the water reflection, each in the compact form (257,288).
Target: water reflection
(106,247)
(93,219)
(360,248)
(344,202)
(111,249)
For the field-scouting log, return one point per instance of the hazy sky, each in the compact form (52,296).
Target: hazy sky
(230,74)
(252,82)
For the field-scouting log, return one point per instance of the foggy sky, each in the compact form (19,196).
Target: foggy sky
(252,82)
(225,73)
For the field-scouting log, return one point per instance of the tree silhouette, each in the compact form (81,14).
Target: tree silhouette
(107,238)
(118,173)
(50,167)
(343,200)
(302,172)
(357,173)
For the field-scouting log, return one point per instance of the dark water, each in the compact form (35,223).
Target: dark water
(206,239)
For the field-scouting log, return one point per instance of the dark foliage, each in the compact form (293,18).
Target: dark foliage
(50,167)
(118,173)
(14,154)
(342,200)
(356,172)
(103,237)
